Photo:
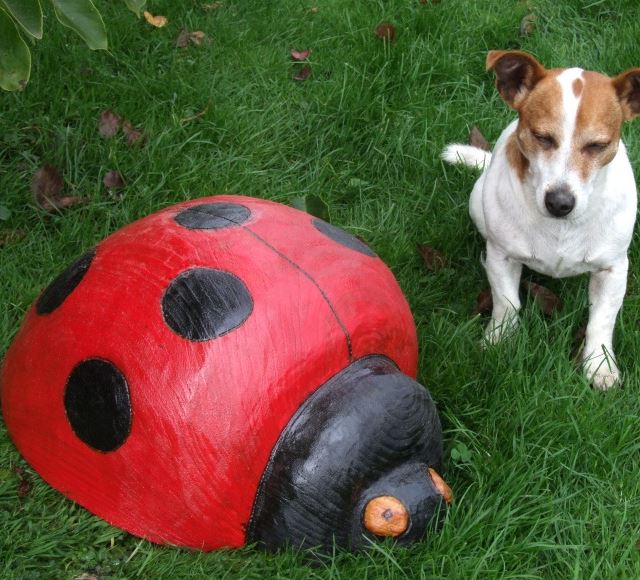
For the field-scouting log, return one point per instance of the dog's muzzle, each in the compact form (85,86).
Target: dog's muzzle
(559,201)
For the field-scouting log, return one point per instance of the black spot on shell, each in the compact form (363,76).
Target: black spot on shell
(213,216)
(65,283)
(343,238)
(203,303)
(96,399)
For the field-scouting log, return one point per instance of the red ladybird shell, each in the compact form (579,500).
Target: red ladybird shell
(208,323)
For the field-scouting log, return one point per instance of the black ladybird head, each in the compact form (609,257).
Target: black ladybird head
(358,455)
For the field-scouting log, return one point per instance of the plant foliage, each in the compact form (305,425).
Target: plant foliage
(23,18)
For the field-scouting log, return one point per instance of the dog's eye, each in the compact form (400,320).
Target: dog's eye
(595,147)
(547,141)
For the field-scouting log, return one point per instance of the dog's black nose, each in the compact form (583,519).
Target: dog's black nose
(559,201)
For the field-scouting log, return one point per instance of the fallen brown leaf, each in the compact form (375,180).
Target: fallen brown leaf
(386,31)
(528,25)
(546,300)
(113,180)
(24,485)
(433,259)
(185,38)
(197,37)
(196,116)
(157,21)
(477,139)
(46,183)
(8,237)
(300,54)
(109,124)
(63,202)
(212,6)
(46,186)
(87,576)
(303,73)
(131,133)
(484,302)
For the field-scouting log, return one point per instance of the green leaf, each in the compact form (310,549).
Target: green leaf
(83,17)
(15,58)
(28,14)
(313,205)
(135,6)
(5,213)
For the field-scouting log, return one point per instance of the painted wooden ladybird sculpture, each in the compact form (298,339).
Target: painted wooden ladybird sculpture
(229,371)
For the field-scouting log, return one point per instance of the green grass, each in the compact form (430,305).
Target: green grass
(549,487)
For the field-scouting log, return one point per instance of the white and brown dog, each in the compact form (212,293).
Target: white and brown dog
(558,193)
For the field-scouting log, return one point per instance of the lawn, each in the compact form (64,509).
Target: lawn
(545,470)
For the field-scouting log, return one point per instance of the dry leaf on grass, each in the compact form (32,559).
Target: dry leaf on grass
(131,133)
(8,237)
(24,485)
(157,21)
(212,6)
(185,38)
(433,259)
(303,73)
(484,302)
(546,300)
(528,25)
(47,182)
(300,55)
(109,124)
(46,186)
(386,31)
(113,180)
(196,116)
(477,139)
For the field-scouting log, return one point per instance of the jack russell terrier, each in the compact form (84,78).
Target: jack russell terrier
(558,193)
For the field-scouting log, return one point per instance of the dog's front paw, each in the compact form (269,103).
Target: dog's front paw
(498,330)
(602,371)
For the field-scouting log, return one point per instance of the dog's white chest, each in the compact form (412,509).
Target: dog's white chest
(561,258)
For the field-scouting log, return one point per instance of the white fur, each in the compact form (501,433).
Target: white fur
(466,155)
(593,238)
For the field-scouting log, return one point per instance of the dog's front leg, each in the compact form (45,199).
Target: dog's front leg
(504,278)
(606,292)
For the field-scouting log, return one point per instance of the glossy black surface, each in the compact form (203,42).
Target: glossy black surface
(204,303)
(213,216)
(64,284)
(368,431)
(343,238)
(97,403)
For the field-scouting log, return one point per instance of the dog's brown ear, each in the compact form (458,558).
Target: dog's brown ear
(627,85)
(517,73)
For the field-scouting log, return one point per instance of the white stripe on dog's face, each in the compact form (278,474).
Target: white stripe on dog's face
(569,128)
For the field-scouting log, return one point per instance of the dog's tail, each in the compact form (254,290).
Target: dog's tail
(466,155)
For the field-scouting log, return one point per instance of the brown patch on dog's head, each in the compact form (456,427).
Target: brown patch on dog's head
(598,123)
(577,87)
(517,73)
(627,87)
(516,159)
(540,120)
